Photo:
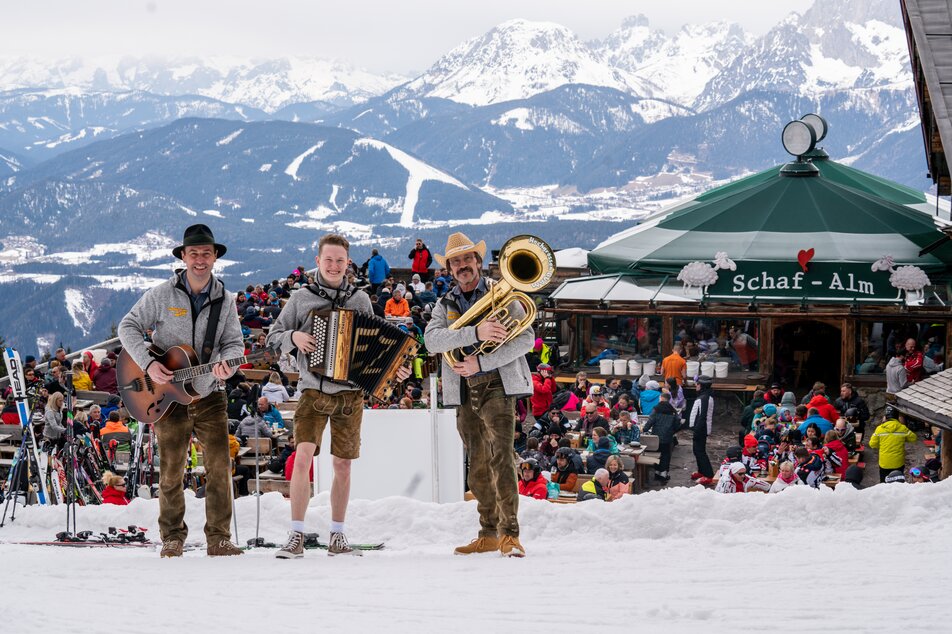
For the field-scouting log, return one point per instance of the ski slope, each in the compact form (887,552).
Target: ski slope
(676,560)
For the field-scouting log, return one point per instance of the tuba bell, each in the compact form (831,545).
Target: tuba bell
(526,264)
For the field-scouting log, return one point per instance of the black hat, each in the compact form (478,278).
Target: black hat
(197,235)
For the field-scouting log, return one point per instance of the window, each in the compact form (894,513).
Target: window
(733,340)
(631,337)
(878,341)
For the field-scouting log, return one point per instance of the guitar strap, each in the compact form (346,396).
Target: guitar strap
(209,344)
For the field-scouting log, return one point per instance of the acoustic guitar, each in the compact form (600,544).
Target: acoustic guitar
(147,401)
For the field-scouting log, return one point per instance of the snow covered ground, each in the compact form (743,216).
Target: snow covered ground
(676,560)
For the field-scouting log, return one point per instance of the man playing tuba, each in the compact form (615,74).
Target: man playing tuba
(485,389)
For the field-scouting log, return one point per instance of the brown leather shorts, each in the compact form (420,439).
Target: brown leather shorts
(345,410)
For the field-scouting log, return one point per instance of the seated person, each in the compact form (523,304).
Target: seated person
(531,482)
(242,472)
(732,455)
(115,430)
(600,448)
(270,413)
(534,453)
(565,473)
(921,475)
(618,483)
(248,425)
(834,454)
(114,491)
(736,480)
(847,433)
(590,420)
(809,467)
(289,467)
(596,488)
(397,306)
(277,465)
(81,378)
(814,418)
(752,458)
(597,396)
(625,405)
(649,397)
(625,431)
(785,478)
(558,424)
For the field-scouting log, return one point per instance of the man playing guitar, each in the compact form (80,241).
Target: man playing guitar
(179,311)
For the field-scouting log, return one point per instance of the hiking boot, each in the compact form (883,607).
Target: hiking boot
(294,549)
(171,548)
(488,544)
(509,546)
(223,548)
(339,546)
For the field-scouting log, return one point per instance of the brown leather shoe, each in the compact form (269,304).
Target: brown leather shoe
(479,545)
(171,548)
(223,548)
(509,546)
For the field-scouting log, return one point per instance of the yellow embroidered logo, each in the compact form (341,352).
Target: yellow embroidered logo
(178,312)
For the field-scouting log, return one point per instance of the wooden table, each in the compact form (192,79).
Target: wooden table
(4,437)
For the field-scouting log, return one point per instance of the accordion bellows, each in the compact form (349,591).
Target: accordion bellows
(359,348)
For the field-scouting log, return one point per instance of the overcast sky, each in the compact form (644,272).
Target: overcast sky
(382,35)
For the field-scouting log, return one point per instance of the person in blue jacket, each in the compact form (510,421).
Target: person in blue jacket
(377,270)
(649,397)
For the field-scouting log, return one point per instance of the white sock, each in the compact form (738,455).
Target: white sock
(337,527)
(297,526)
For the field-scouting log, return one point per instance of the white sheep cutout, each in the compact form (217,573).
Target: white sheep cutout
(701,274)
(910,279)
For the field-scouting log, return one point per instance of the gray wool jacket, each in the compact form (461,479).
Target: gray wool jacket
(167,309)
(509,359)
(293,317)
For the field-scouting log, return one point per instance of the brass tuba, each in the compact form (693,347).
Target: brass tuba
(526,264)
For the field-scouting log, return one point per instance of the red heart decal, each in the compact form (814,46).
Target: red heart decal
(803,257)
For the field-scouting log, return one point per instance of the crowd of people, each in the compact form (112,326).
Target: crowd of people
(795,440)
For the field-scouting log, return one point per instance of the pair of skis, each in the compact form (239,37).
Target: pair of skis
(18,383)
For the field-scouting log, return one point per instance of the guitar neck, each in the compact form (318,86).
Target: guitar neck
(186,374)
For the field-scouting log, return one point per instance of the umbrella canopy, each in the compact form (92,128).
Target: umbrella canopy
(840,216)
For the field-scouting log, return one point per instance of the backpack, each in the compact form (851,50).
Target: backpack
(561,399)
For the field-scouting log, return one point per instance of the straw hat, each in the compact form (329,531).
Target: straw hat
(457,244)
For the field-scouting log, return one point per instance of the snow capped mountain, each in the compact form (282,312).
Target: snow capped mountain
(853,44)
(516,60)
(264,84)
(41,123)
(678,68)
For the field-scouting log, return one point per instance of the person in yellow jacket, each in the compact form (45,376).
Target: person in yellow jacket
(891,438)
(81,378)
(596,488)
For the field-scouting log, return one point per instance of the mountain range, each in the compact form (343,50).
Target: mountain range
(526,123)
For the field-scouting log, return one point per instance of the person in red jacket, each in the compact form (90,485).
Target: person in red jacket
(115,490)
(835,453)
(914,360)
(825,409)
(531,482)
(543,389)
(289,467)
(422,258)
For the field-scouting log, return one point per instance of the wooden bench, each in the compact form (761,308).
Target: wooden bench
(257,375)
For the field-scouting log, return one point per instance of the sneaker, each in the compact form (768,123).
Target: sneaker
(339,546)
(696,475)
(509,546)
(224,548)
(705,481)
(488,544)
(171,548)
(294,549)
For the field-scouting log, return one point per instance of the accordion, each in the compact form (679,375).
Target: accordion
(359,348)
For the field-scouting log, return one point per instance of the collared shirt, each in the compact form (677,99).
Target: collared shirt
(198,299)
(466,304)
